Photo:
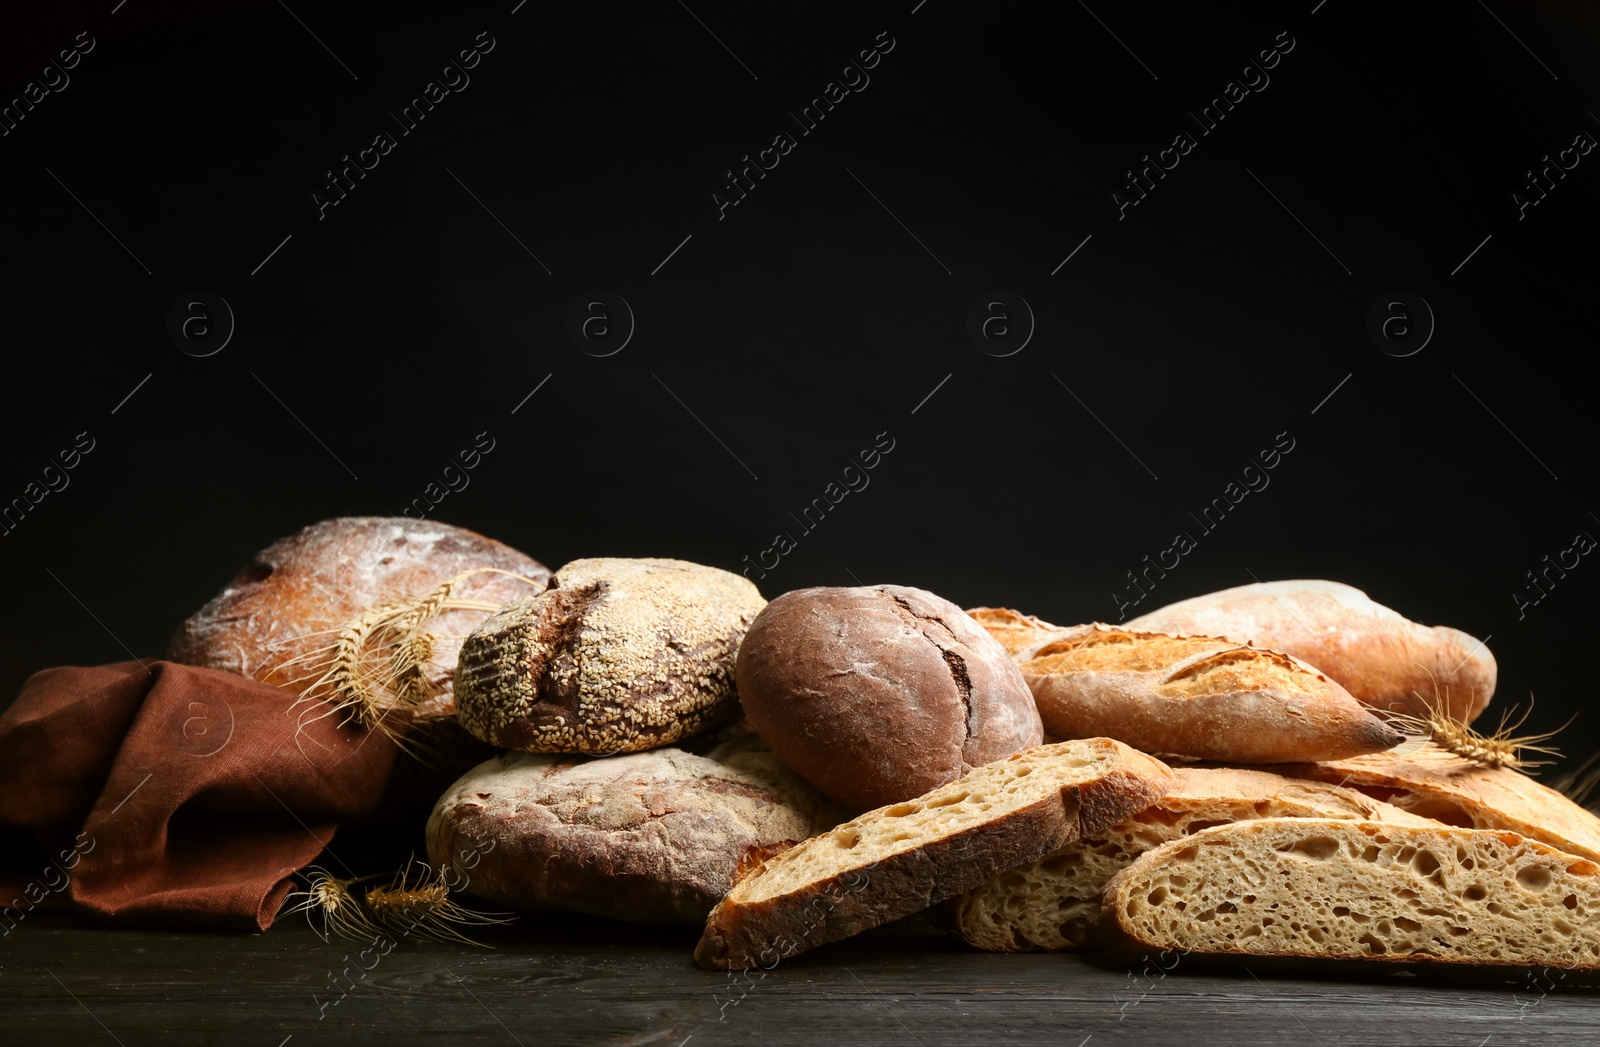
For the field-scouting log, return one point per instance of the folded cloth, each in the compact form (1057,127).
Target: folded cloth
(169,795)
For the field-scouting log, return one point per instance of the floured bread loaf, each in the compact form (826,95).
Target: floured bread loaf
(1378,655)
(281,618)
(1337,890)
(1195,696)
(653,837)
(618,655)
(1438,784)
(901,859)
(1053,904)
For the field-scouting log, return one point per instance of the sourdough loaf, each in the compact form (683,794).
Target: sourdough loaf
(618,655)
(279,619)
(900,859)
(1053,904)
(879,693)
(1195,696)
(657,837)
(1337,890)
(1438,784)
(1378,655)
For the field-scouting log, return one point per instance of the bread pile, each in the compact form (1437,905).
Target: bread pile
(1280,770)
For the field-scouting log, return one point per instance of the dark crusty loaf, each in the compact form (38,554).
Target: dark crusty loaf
(618,655)
(1053,904)
(1378,655)
(1195,696)
(652,837)
(278,619)
(900,859)
(880,693)
(1338,890)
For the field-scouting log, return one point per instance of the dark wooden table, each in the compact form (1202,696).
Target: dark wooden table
(562,980)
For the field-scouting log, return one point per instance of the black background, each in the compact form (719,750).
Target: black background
(806,321)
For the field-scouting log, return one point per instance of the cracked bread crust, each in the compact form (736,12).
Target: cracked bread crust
(1338,890)
(618,655)
(904,857)
(655,837)
(1196,696)
(876,694)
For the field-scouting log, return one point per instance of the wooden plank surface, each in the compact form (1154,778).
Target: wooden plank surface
(554,981)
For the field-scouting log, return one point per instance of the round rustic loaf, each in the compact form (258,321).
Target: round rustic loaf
(280,618)
(617,655)
(653,837)
(876,694)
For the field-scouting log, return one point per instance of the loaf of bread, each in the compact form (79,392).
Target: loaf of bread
(1195,696)
(653,837)
(879,693)
(1053,904)
(618,655)
(281,618)
(1378,655)
(1338,890)
(900,859)
(1438,784)
(1018,633)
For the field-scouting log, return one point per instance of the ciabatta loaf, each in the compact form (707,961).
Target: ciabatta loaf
(1379,655)
(1335,890)
(900,859)
(1438,784)
(1054,904)
(1196,696)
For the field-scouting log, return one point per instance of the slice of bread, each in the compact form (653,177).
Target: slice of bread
(1438,784)
(1196,696)
(1335,890)
(1053,904)
(900,859)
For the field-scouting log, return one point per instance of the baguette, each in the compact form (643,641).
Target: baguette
(900,859)
(1334,890)
(1196,696)
(1379,656)
(1438,784)
(1053,904)
(1018,633)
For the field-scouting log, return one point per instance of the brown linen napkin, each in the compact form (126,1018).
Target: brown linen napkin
(172,795)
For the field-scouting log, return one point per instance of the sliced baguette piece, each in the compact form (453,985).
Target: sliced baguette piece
(901,859)
(1438,784)
(1336,890)
(1381,657)
(1196,696)
(1053,904)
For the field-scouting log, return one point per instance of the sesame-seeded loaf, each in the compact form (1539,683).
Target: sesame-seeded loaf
(1053,904)
(653,837)
(1196,696)
(1320,889)
(903,858)
(618,655)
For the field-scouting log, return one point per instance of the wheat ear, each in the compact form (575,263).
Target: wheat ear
(1502,748)
(418,902)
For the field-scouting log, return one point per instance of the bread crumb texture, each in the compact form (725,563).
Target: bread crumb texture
(618,655)
(1361,890)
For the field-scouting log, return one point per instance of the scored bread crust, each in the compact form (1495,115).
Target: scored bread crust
(1053,904)
(1195,696)
(1332,890)
(1438,784)
(1381,657)
(903,858)
(1017,632)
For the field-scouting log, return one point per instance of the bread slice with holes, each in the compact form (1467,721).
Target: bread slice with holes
(1195,696)
(1053,904)
(1438,784)
(1334,890)
(901,859)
